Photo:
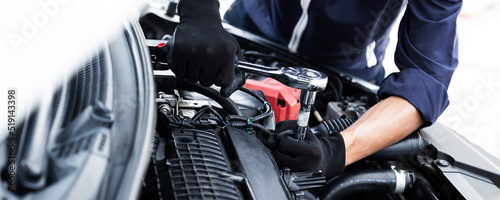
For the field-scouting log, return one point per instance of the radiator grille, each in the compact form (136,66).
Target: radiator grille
(69,156)
(85,88)
(88,86)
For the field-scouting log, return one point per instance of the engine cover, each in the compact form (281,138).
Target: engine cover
(216,164)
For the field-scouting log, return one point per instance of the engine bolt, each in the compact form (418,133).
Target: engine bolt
(165,109)
(162,95)
(443,163)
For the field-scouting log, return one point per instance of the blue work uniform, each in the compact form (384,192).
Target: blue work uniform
(352,35)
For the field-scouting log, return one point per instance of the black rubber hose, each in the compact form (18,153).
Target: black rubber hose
(229,106)
(254,94)
(267,107)
(338,83)
(336,97)
(405,148)
(205,109)
(332,125)
(422,189)
(383,181)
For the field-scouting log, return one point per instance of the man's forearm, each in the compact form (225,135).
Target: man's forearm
(384,124)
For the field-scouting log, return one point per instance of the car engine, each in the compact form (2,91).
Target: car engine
(202,151)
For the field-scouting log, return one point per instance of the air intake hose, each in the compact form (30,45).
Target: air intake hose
(405,148)
(386,181)
(332,125)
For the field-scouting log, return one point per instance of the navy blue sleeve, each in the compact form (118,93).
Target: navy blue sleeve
(426,55)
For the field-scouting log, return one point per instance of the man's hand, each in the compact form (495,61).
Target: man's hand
(311,154)
(202,50)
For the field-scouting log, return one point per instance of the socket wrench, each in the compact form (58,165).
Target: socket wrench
(307,80)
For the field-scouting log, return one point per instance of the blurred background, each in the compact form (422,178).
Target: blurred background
(474,92)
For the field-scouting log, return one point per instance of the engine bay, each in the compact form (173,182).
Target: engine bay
(210,147)
(241,129)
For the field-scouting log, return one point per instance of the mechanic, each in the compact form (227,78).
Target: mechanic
(350,35)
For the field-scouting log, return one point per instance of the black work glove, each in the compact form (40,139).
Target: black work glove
(311,154)
(202,50)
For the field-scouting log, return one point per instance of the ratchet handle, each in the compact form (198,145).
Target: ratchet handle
(295,77)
